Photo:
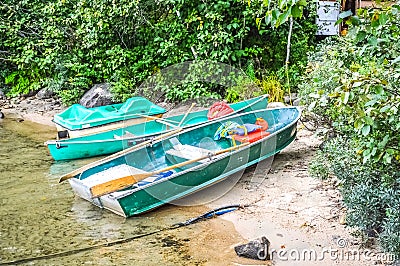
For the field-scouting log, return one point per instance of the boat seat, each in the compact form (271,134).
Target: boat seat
(111,174)
(188,152)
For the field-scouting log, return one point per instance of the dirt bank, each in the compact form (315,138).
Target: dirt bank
(32,108)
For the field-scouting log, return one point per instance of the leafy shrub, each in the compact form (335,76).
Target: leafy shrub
(352,84)
(372,200)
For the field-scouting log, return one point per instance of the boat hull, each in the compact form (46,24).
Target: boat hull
(113,140)
(103,128)
(143,199)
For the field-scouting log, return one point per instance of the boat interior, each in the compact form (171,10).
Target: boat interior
(192,147)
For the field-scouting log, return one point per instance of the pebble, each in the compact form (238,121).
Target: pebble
(342,219)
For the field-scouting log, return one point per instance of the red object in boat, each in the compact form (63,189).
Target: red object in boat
(251,137)
(261,122)
(219,109)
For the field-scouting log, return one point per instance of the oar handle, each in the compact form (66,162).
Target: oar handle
(184,117)
(126,181)
(115,155)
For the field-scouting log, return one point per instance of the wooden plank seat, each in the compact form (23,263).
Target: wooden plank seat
(122,171)
(187,152)
(111,174)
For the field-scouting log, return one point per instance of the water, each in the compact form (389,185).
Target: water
(39,216)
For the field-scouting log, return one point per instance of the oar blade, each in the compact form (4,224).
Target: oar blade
(117,184)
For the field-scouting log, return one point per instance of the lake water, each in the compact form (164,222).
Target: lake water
(40,217)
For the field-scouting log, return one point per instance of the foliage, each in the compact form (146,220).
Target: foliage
(72,44)
(249,86)
(370,193)
(357,88)
(352,83)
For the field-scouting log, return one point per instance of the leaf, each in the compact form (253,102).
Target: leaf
(275,14)
(368,120)
(383,143)
(302,3)
(396,60)
(268,19)
(283,17)
(339,21)
(354,20)
(384,109)
(258,22)
(382,18)
(311,106)
(365,130)
(379,90)
(296,12)
(357,84)
(345,97)
(345,14)
(361,35)
(358,124)
(373,41)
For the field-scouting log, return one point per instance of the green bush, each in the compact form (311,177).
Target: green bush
(352,84)
(73,44)
(371,198)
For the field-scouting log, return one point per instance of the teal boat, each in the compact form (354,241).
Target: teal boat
(178,165)
(78,120)
(112,141)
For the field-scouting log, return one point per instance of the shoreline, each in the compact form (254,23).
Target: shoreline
(286,205)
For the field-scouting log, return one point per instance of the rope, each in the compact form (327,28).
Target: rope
(205,216)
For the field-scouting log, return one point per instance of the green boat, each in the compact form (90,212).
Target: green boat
(112,141)
(78,120)
(178,165)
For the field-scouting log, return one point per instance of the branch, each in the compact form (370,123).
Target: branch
(287,57)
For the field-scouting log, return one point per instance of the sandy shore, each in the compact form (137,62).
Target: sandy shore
(294,211)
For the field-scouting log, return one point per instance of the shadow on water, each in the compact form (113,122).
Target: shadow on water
(39,216)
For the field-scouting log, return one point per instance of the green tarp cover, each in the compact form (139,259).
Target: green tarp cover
(79,117)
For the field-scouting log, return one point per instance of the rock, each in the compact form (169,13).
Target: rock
(2,95)
(15,101)
(296,102)
(29,94)
(275,105)
(290,99)
(98,95)
(342,219)
(1,115)
(44,94)
(257,249)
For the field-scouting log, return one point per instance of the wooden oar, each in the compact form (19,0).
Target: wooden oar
(126,181)
(115,155)
(187,113)
(157,118)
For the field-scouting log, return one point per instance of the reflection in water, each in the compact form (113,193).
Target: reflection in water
(39,216)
